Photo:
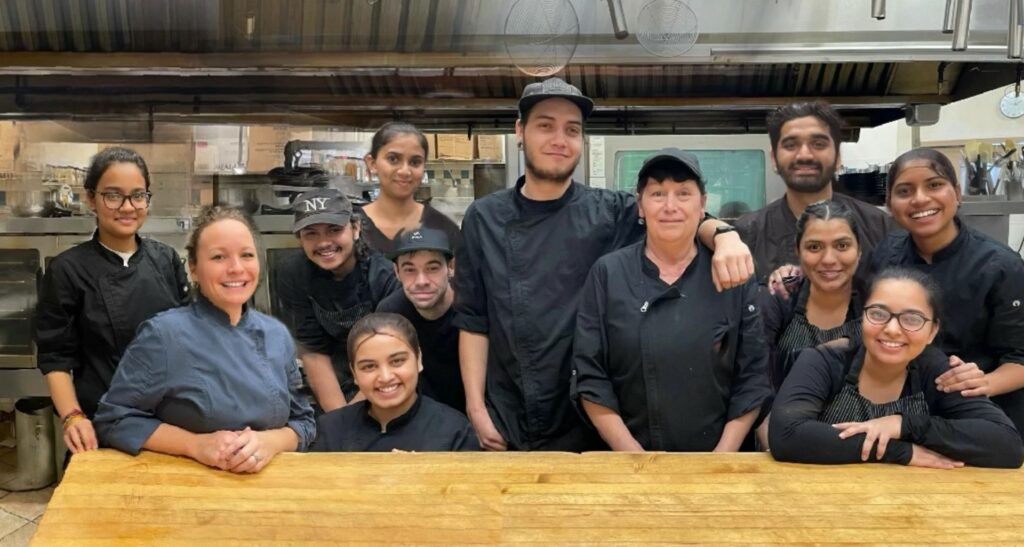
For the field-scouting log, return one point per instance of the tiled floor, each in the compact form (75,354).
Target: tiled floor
(19,511)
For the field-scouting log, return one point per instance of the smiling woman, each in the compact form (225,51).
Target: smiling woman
(879,401)
(96,294)
(982,280)
(228,397)
(386,361)
(398,157)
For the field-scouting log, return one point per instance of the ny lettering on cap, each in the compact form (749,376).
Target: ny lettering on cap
(321,206)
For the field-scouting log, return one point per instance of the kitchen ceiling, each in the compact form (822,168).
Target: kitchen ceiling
(443,63)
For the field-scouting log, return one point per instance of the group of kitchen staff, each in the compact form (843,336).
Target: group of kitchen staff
(560,317)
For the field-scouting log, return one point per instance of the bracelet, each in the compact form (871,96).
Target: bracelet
(73,417)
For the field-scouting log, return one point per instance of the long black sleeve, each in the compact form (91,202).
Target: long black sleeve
(794,432)
(972,430)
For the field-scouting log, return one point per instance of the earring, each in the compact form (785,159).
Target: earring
(640,221)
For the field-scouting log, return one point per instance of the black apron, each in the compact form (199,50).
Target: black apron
(338,322)
(851,406)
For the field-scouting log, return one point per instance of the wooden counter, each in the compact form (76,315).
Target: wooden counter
(108,498)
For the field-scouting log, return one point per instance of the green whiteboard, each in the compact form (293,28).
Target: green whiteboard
(732,177)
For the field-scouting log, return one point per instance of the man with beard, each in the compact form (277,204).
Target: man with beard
(423,264)
(805,153)
(526,253)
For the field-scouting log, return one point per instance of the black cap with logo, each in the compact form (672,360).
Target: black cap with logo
(321,206)
(422,239)
(554,87)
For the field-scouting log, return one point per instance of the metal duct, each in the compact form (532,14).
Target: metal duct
(961,24)
(1015,33)
(878,9)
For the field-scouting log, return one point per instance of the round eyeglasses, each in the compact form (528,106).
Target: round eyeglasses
(910,321)
(115,200)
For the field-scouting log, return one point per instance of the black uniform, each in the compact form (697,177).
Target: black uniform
(441,378)
(787,330)
(982,284)
(320,310)
(518,279)
(431,218)
(770,232)
(90,305)
(822,390)
(675,361)
(428,426)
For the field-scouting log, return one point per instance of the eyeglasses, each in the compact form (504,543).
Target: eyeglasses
(910,321)
(115,200)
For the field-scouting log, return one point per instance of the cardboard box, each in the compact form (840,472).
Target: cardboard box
(454,147)
(266,147)
(490,148)
(432,145)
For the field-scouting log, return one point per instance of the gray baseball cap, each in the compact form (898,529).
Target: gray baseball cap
(321,206)
(554,87)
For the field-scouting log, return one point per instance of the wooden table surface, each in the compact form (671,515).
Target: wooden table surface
(108,498)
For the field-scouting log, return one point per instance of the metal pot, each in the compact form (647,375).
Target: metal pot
(30,203)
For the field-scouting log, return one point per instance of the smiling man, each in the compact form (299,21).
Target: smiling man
(805,153)
(526,253)
(424,265)
(324,289)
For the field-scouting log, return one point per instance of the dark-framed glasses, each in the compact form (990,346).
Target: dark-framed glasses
(910,321)
(115,200)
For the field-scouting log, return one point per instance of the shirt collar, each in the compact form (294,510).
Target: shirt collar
(650,269)
(110,255)
(944,253)
(203,306)
(398,422)
(532,205)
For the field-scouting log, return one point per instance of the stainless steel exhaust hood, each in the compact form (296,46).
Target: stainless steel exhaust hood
(443,63)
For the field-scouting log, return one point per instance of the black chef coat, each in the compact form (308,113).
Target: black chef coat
(517,280)
(770,232)
(441,378)
(982,284)
(428,426)
(968,429)
(675,361)
(90,305)
(431,218)
(320,310)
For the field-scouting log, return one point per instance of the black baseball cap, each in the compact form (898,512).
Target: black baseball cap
(553,87)
(674,155)
(422,239)
(321,206)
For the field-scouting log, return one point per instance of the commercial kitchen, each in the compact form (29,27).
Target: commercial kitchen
(249,103)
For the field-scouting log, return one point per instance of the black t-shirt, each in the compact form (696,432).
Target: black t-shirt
(428,426)
(431,218)
(968,429)
(441,378)
(320,310)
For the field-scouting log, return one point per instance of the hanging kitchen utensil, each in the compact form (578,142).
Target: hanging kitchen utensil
(541,35)
(667,28)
